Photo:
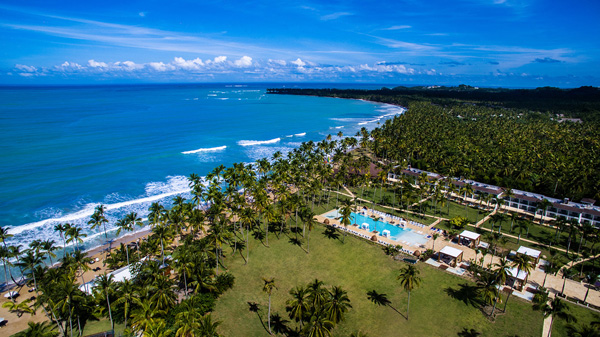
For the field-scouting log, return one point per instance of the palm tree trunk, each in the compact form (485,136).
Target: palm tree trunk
(506,303)
(112,324)
(247,244)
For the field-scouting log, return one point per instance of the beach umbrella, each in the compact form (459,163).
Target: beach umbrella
(11,294)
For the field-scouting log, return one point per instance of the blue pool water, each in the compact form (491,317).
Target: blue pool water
(396,233)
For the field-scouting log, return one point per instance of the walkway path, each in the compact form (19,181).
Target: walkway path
(546,329)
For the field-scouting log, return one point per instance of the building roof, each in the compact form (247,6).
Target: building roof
(529,252)
(513,271)
(451,251)
(470,235)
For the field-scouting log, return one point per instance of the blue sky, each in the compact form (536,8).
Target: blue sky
(522,43)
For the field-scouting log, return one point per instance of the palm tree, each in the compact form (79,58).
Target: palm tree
(297,306)
(49,247)
(19,308)
(269,285)
(567,273)
(523,263)
(543,205)
(409,279)
(318,326)
(310,222)
(488,285)
(145,315)
(81,262)
(99,219)
(435,236)
(164,234)
(43,329)
(557,308)
(62,231)
(126,298)
(346,212)
(337,304)
(74,235)
(105,284)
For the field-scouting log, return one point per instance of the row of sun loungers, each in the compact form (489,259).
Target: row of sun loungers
(406,251)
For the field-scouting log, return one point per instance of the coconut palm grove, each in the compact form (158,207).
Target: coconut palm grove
(273,247)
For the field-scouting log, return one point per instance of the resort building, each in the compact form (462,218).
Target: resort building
(450,255)
(532,253)
(521,201)
(469,239)
(516,281)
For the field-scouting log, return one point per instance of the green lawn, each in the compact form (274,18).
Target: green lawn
(438,308)
(583,315)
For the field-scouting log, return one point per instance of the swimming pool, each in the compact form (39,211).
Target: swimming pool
(396,233)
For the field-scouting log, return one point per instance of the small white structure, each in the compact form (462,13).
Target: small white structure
(469,239)
(364,226)
(119,275)
(532,253)
(515,280)
(386,233)
(450,255)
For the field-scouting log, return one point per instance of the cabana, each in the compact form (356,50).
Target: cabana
(532,253)
(469,239)
(450,255)
(516,281)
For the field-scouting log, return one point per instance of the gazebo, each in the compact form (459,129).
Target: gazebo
(469,239)
(516,281)
(532,253)
(450,255)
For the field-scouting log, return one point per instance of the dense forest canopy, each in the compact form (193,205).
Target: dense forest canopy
(510,138)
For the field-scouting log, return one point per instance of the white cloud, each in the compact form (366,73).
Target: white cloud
(26,68)
(335,15)
(142,14)
(69,66)
(299,62)
(95,64)
(159,66)
(279,62)
(128,65)
(220,59)
(398,27)
(181,63)
(245,61)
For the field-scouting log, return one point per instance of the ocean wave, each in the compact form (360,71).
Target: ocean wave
(300,134)
(210,149)
(44,229)
(339,127)
(258,142)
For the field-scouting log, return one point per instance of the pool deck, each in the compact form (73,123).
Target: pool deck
(409,247)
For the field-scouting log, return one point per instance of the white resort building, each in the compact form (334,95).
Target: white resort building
(527,202)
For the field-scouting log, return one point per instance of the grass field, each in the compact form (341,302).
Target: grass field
(442,306)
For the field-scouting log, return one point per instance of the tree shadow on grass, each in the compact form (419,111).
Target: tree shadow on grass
(254,307)
(469,333)
(468,294)
(331,233)
(296,242)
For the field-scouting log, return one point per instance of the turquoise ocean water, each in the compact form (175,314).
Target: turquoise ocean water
(64,150)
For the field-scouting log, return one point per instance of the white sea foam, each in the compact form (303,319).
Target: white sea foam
(209,149)
(155,191)
(258,142)
(339,127)
(300,134)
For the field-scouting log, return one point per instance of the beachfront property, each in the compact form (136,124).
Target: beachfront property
(520,201)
